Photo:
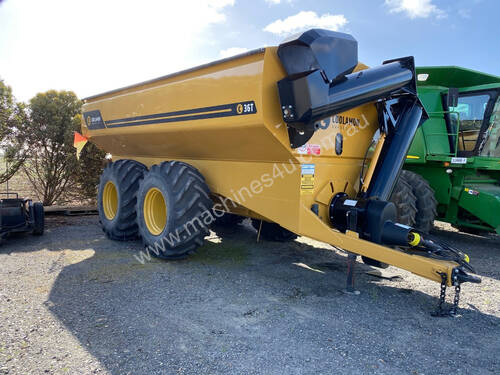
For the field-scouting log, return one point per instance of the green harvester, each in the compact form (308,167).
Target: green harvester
(453,165)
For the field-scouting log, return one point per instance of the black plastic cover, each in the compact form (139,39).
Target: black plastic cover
(334,54)
(395,148)
(373,219)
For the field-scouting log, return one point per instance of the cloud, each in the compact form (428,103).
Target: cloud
(276,2)
(464,13)
(101,45)
(415,8)
(306,20)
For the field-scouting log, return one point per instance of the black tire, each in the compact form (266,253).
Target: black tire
(39,219)
(228,220)
(426,203)
(125,175)
(187,198)
(404,199)
(273,231)
(474,231)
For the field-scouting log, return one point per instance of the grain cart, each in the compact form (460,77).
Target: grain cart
(454,161)
(279,134)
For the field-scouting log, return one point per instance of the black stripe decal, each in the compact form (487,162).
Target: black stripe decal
(168,114)
(225,110)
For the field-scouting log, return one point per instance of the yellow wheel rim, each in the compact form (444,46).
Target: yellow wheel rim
(110,200)
(155,211)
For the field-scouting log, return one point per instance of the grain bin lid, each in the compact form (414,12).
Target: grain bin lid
(333,53)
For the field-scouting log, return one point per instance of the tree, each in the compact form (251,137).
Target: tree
(13,121)
(88,172)
(54,116)
(52,168)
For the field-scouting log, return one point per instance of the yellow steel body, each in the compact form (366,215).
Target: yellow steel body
(247,160)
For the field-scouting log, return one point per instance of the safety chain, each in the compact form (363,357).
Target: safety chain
(452,311)
(454,308)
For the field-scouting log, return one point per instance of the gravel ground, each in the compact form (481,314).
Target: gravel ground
(73,302)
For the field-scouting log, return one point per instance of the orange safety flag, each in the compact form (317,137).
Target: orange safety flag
(79,143)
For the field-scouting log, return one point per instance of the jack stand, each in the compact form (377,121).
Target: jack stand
(351,263)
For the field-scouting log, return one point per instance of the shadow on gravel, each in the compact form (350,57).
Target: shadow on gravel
(243,307)
(26,242)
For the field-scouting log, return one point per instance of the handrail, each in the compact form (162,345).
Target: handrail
(9,193)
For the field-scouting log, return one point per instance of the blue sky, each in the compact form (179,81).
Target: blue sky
(96,45)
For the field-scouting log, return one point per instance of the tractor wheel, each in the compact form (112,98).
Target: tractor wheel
(117,199)
(474,231)
(173,204)
(273,231)
(426,202)
(39,219)
(405,201)
(228,220)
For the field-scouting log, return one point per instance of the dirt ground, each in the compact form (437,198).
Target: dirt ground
(74,302)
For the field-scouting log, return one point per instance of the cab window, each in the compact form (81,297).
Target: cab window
(471,109)
(491,146)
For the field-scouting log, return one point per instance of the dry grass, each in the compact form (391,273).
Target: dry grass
(19,184)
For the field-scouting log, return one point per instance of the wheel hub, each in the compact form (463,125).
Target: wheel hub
(155,211)
(110,200)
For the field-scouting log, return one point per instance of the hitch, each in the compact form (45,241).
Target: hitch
(458,275)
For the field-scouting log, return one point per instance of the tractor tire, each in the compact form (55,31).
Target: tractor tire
(273,231)
(228,220)
(172,203)
(117,198)
(404,199)
(426,202)
(39,219)
(474,231)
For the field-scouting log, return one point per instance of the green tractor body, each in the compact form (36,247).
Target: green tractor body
(457,150)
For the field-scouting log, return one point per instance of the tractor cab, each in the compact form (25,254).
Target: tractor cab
(469,101)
